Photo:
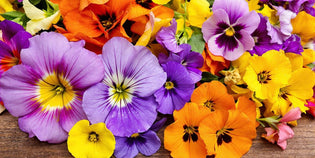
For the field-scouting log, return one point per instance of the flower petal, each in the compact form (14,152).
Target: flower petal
(151,145)
(123,150)
(234,8)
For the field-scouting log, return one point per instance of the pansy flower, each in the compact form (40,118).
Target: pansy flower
(45,91)
(176,90)
(124,99)
(213,96)
(182,137)
(15,38)
(266,74)
(227,133)
(228,30)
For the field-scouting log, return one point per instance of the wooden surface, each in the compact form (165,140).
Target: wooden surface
(15,144)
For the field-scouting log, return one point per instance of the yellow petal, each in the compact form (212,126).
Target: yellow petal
(198,12)
(308,56)
(253,4)
(35,25)
(32,12)
(296,60)
(6,5)
(161,1)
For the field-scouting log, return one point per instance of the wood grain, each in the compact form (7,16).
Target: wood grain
(15,144)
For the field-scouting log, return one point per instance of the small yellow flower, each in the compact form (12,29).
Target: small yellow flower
(303,25)
(266,74)
(198,12)
(90,140)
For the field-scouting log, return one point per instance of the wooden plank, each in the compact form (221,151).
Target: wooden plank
(15,143)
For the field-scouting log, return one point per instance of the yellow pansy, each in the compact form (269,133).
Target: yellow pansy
(40,20)
(303,25)
(270,13)
(266,74)
(198,12)
(87,140)
(308,56)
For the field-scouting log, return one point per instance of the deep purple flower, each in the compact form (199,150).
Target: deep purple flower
(176,90)
(167,37)
(293,45)
(146,143)
(299,5)
(15,38)
(228,30)
(190,59)
(262,39)
(45,91)
(124,100)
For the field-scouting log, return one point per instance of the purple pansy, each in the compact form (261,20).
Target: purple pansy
(293,45)
(167,37)
(262,39)
(146,143)
(45,91)
(124,100)
(177,89)
(15,38)
(190,59)
(228,30)
(298,5)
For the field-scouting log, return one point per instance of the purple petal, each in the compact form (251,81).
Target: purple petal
(123,149)
(210,26)
(250,22)
(9,29)
(165,101)
(20,41)
(18,90)
(158,124)
(234,8)
(47,55)
(43,124)
(247,41)
(151,145)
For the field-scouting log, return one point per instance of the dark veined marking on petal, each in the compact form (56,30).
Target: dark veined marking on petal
(210,156)
(186,137)
(229,42)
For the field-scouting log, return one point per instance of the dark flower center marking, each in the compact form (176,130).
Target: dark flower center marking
(283,94)
(228,36)
(223,135)
(209,104)
(264,77)
(108,21)
(190,133)
(169,85)
(59,89)
(145,3)
(136,137)
(93,137)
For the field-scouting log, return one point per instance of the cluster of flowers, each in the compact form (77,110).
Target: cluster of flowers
(220,67)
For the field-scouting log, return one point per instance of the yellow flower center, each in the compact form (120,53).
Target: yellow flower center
(169,85)
(120,95)
(283,94)
(230,31)
(54,92)
(135,135)
(93,137)
(108,21)
(209,104)
(264,77)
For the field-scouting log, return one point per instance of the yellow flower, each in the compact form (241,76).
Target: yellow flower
(303,25)
(90,140)
(308,56)
(198,12)
(266,74)
(40,20)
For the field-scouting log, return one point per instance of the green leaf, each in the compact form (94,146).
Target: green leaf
(12,15)
(311,65)
(35,2)
(210,2)
(196,41)
(208,77)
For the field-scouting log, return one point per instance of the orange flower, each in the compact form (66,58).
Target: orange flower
(227,133)
(182,137)
(213,95)
(213,63)
(93,21)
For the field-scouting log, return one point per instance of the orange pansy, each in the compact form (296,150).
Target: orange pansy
(182,137)
(213,63)
(213,95)
(227,133)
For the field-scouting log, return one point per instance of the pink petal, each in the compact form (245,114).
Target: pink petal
(285,132)
(292,115)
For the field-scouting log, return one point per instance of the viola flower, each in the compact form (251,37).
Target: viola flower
(212,63)
(227,133)
(284,131)
(303,25)
(167,37)
(146,143)
(124,99)
(198,11)
(182,137)
(15,38)
(45,91)
(302,5)
(228,31)
(266,74)
(87,140)
(293,45)
(190,59)
(176,90)
(214,96)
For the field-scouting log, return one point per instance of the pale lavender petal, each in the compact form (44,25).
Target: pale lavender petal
(18,90)
(43,124)
(151,145)
(247,41)
(236,53)
(210,26)
(47,55)
(214,48)
(125,148)
(234,8)
(250,22)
